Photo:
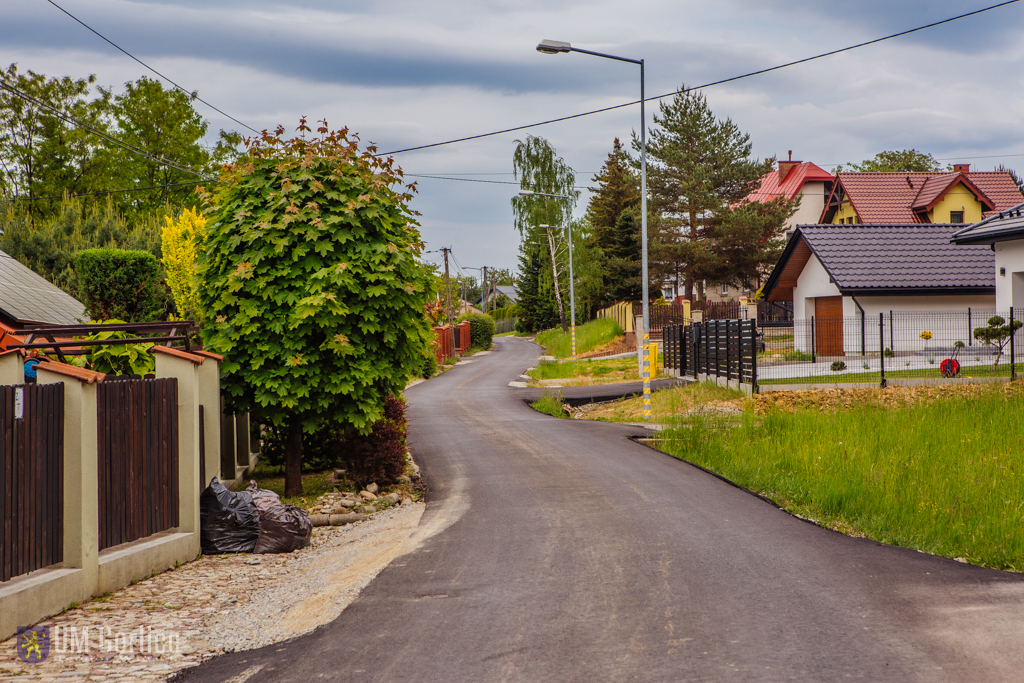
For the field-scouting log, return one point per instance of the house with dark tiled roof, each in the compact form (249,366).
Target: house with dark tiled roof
(961,196)
(27,299)
(1003,234)
(842,272)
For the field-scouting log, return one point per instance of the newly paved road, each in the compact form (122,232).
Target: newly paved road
(563,551)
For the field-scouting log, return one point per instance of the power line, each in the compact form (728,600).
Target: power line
(125,52)
(475,180)
(706,85)
(93,194)
(75,122)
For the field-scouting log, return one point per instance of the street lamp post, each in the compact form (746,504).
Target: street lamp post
(553,47)
(483,286)
(572,280)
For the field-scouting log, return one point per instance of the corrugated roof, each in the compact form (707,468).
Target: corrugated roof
(890,197)
(27,297)
(899,257)
(1000,226)
(771,188)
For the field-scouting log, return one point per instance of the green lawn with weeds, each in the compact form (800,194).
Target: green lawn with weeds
(616,368)
(551,404)
(973,372)
(314,484)
(667,405)
(589,336)
(944,476)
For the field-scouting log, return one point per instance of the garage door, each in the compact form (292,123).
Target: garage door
(828,325)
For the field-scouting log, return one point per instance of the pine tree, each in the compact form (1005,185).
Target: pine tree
(622,258)
(536,304)
(698,166)
(618,189)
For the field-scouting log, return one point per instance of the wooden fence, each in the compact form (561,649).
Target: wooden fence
(719,348)
(31,477)
(137,449)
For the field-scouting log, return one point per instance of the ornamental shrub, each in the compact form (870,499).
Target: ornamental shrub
(115,283)
(311,285)
(481,330)
(180,247)
(837,366)
(116,359)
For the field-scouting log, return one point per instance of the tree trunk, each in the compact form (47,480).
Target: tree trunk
(558,289)
(293,460)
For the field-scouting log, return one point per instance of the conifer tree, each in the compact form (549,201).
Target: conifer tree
(618,189)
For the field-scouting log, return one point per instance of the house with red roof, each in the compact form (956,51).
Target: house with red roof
(960,196)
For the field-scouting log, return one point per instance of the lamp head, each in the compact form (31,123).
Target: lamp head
(522,193)
(553,47)
(544,226)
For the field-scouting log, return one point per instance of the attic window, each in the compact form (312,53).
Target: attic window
(956,217)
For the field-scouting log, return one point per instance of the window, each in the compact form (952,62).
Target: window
(956,216)
(725,290)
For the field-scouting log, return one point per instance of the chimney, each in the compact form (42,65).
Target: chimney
(786,166)
(962,168)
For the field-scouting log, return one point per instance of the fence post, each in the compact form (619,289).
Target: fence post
(892,338)
(970,332)
(812,341)
(753,357)
(881,345)
(1013,358)
(728,350)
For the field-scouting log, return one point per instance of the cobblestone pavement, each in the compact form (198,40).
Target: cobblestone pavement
(219,603)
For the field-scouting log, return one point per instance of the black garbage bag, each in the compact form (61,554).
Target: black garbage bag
(228,522)
(283,528)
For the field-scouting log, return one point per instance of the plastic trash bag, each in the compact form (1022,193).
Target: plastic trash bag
(283,528)
(228,522)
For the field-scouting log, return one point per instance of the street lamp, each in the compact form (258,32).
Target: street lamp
(572,281)
(554,47)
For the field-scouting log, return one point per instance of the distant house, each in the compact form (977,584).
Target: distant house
(791,179)
(1003,233)
(854,272)
(958,197)
(28,299)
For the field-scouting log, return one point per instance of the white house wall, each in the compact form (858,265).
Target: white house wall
(1010,255)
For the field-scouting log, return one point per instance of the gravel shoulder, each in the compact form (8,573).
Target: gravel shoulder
(223,603)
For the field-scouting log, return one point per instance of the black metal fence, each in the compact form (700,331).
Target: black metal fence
(718,348)
(881,347)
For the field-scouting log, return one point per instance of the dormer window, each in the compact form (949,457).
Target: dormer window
(956,217)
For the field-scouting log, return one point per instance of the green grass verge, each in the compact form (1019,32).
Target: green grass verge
(977,371)
(945,477)
(314,484)
(551,404)
(554,370)
(589,336)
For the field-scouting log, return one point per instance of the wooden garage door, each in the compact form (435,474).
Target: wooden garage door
(828,325)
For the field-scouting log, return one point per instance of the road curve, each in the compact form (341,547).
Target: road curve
(563,551)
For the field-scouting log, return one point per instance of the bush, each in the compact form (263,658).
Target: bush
(481,330)
(375,457)
(114,283)
(429,366)
(838,366)
(506,312)
(888,353)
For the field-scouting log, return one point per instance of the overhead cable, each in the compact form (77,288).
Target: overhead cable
(706,85)
(125,52)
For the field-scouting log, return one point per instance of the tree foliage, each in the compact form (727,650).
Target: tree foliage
(116,359)
(180,248)
(310,284)
(901,161)
(997,334)
(116,283)
(699,170)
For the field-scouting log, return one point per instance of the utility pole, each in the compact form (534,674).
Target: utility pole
(447,281)
(483,287)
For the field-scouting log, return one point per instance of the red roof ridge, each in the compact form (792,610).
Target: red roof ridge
(215,356)
(87,376)
(178,353)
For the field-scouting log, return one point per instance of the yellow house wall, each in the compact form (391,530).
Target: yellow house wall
(957,199)
(845,211)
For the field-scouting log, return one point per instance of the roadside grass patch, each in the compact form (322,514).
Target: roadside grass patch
(669,405)
(944,476)
(548,369)
(589,336)
(970,372)
(314,484)
(551,404)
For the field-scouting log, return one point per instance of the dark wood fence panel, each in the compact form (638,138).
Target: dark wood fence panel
(31,478)
(717,348)
(137,440)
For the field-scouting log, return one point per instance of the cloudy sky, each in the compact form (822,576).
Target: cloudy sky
(405,73)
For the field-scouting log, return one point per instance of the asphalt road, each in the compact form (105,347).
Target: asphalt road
(564,551)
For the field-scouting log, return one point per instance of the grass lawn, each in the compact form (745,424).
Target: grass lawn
(667,405)
(314,484)
(942,473)
(1003,370)
(589,336)
(589,371)
(550,404)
